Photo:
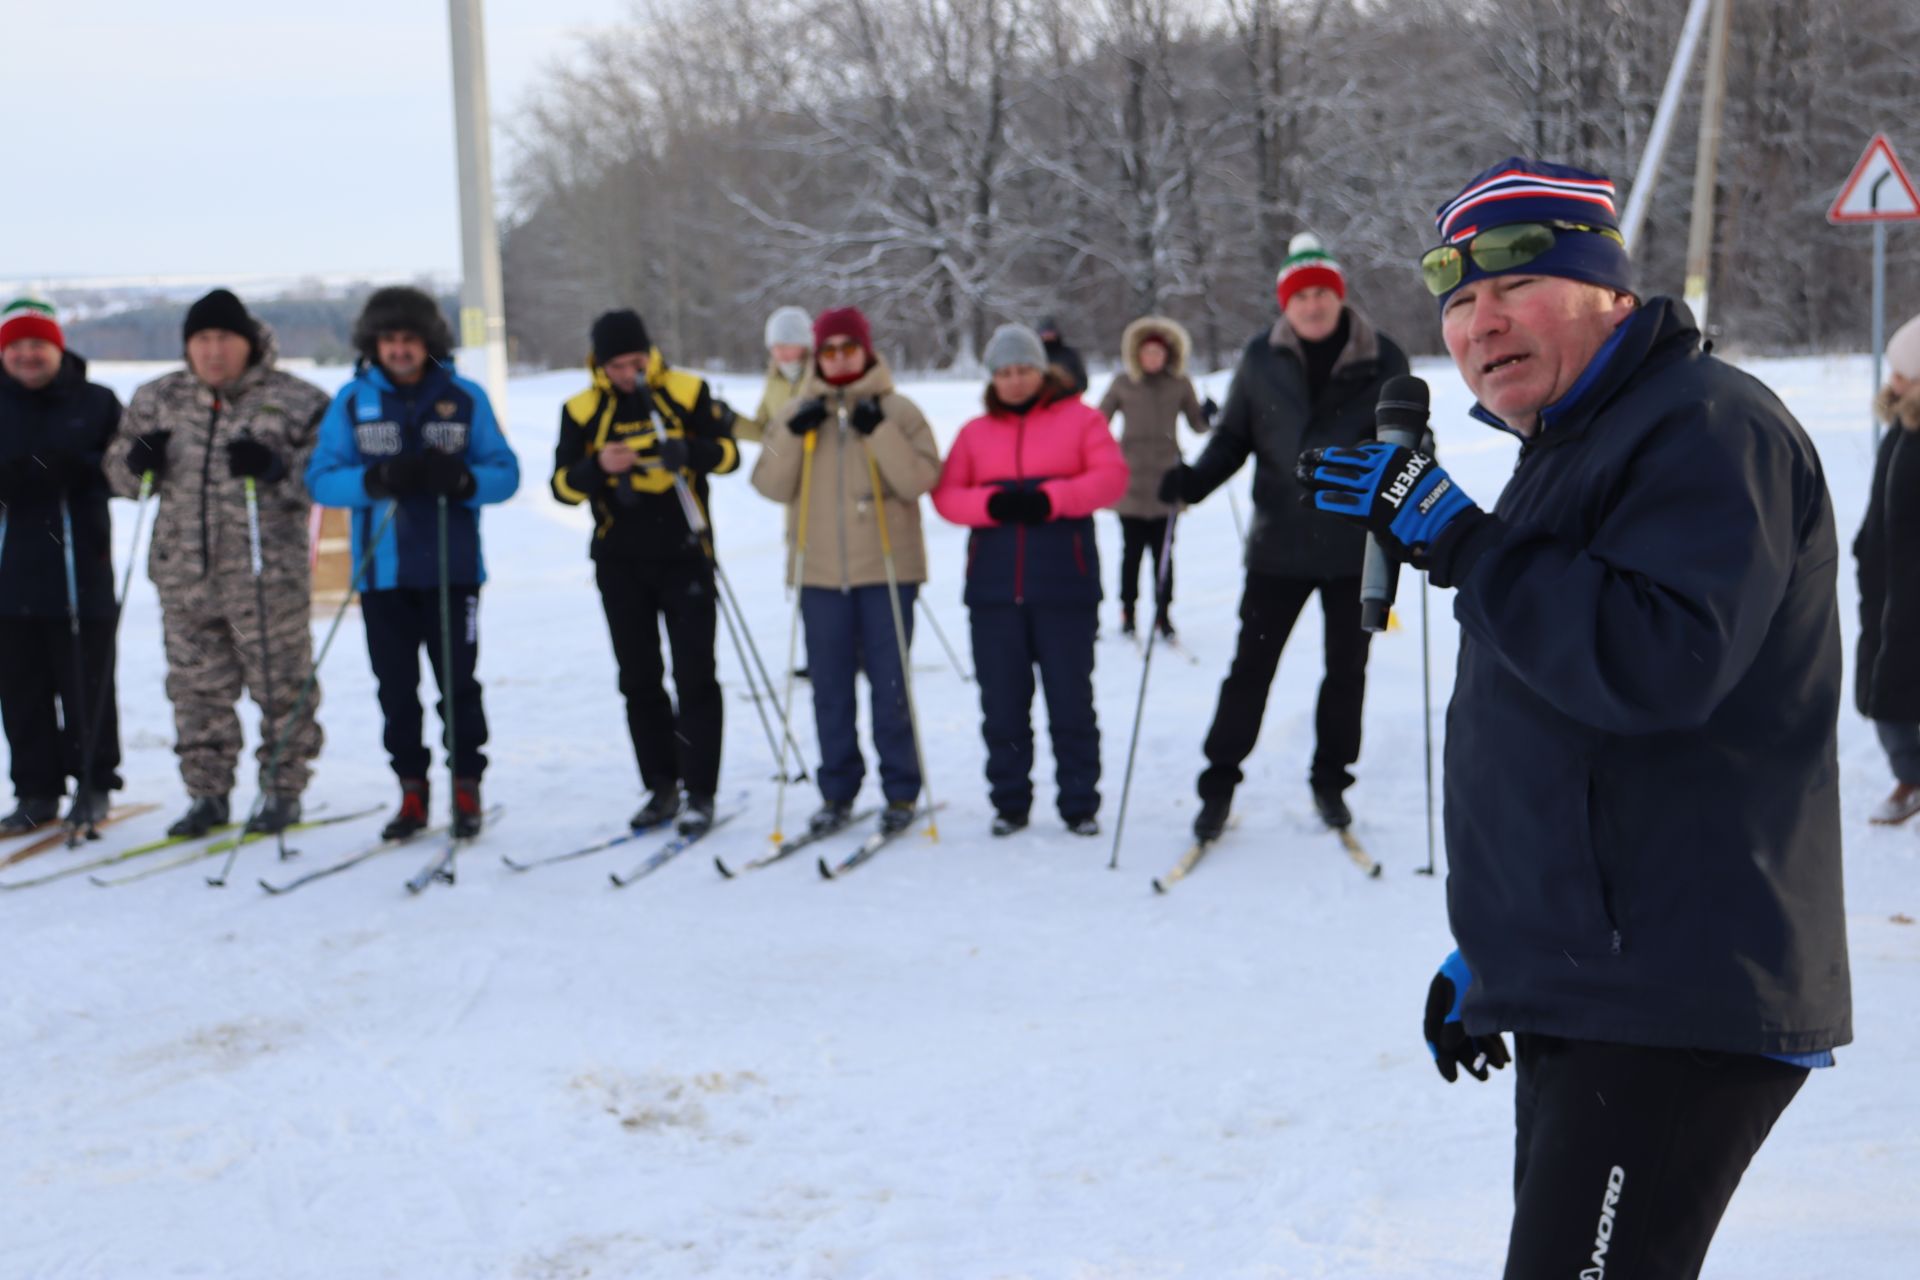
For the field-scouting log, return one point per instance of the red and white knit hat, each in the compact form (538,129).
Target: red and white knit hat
(1308,265)
(30,318)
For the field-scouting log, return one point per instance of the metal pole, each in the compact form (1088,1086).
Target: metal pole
(76,714)
(1643,178)
(1426,719)
(483,325)
(965,675)
(264,694)
(1140,702)
(796,574)
(899,625)
(1879,306)
(1706,170)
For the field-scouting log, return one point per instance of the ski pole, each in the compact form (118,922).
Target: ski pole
(449,712)
(1140,702)
(1233,505)
(933,621)
(899,625)
(97,721)
(265,691)
(1426,720)
(796,574)
(312,681)
(703,529)
(85,780)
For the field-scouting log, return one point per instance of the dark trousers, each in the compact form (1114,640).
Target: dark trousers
(1268,610)
(1009,641)
(1901,742)
(399,621)
(849,632)
(638,595)
(1625,1157)
(46,712)
(1139,534)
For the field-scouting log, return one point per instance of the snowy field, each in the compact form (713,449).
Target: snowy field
(977,1058)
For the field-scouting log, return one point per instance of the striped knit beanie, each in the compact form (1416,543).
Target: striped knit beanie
(30,318)
(1517,190)
(1309,265)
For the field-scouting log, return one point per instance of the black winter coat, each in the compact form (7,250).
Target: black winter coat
(1642,799)
(51,441)
(1886,674)
(1270,416)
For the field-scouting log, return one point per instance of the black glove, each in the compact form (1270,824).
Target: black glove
(149,453)
(808,417)
(1447,1037)
(397,477)
(673,452)
(448,476)
(248,457)
(866,416)
(1176,484)
(1020,506)
(1209,410)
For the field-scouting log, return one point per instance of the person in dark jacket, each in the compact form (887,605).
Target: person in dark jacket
(54,429)
(1026,478)
(1310,381)
(406,432)
(1887,672)
(1063,357)
(624,444)
(1642,800)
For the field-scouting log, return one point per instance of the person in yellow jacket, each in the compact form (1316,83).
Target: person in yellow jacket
(849,407)
(624,441)
(789,344)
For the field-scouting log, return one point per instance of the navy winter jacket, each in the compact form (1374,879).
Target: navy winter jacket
(51,442)
(1642,809)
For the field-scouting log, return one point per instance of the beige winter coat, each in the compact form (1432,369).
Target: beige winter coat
(1151,405)
(843,546)
(773,398)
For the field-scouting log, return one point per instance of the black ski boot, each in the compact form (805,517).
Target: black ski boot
(1332,809)
(1212,819)
(276,815)
(659,810)
(1127,626)
(1164,625)
(896,817)
(412,818)
(89,808)
(830,816)
(1005,824)
(203,814)
(1084,825)
(30,814)
(698,817)
(466,808)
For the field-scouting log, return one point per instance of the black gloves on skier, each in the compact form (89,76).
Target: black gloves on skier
(398,477)
(149,453)
(1020,506)
(1177,485)
(447,475)
(866,416)
(248,457)
(673,452)
(1209,411)
(808,416)
(1447,1037)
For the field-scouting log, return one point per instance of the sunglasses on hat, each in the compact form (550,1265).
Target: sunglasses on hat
(1498,249)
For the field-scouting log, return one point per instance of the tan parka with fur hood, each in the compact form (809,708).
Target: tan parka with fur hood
(1151,405)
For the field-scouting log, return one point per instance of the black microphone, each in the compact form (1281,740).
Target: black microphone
(1399,418)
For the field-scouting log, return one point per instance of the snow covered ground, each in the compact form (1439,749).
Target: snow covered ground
(976,1058)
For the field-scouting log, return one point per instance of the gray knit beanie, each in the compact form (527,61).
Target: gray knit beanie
(790,326)
(1014,344)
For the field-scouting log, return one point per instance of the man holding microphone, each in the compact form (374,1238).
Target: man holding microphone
(1642,809)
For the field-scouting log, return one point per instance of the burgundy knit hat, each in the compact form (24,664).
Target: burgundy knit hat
(843,322)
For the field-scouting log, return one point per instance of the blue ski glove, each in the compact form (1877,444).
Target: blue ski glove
(1447,1037)
(1401,495)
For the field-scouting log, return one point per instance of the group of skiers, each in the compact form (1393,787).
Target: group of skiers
(1641,789)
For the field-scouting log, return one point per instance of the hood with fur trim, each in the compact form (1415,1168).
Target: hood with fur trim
(1179,345)
(1905,410)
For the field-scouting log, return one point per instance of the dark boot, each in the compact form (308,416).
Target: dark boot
(203,814)
(89,808)
(1005,824)
(1212,819)
(412,818)
(896,817)
(30,814)
(1085,824)
(276,815)
(1127,627)
(1332,809)
(698,817)
(831,816)
(1163,624)
(466,808)
(658,811)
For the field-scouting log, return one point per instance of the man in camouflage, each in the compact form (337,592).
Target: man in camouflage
(201,432)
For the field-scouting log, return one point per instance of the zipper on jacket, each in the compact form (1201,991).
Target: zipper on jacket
(206,489)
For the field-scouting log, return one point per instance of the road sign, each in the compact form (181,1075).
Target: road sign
(1878,189)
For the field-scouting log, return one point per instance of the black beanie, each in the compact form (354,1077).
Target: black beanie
(619,333)
(222,310)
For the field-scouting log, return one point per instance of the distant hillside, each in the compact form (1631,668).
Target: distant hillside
(320,328)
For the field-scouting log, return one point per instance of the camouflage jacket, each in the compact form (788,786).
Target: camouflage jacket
(202,522)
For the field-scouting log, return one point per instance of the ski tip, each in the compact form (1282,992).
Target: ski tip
(1374,874)
(1158,887)
(826,872)
(721,867)
(269,888)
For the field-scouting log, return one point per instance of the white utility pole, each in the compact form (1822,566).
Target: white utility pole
(1706,167)
(483,322)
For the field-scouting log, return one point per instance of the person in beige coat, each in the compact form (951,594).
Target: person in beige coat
(1150,397)
(846,431)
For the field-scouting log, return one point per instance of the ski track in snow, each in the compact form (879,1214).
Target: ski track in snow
(974,1059)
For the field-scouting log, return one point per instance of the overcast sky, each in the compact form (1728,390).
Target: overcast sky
(248,137)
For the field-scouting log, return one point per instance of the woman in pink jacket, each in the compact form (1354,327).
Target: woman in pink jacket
(1027,477)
